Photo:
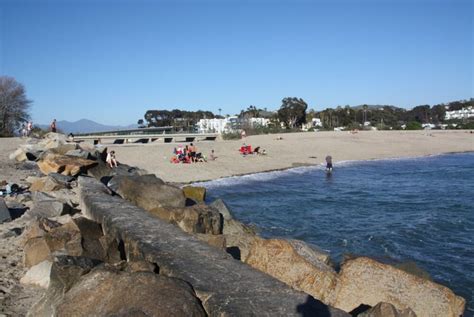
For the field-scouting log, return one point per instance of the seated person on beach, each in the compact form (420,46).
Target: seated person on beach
(329,163)
(200,158)
(212,156)
(245,149)
(111,161)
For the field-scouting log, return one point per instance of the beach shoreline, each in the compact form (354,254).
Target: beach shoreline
(292,150)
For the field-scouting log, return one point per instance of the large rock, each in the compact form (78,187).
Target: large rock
(33,151)
(66,165)
(195,193)
(366,281)
(64,148)
(312,253)
(92,234)
(239,245)
(50,208)
(47,184)
(221,206)
(67,237)
(38,275)
(36,251)
(45,237)
(118,182)
(4,213)
(148,192)
(19,155)
(215,240)
(104,173)
(79,153)
(129,294)
(301,271)
(63,273)
(387,310)
(233,226)
(53,140)
(194,219)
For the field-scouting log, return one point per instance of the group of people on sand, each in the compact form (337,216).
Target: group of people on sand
(247,149)
(188,154)
(26,129)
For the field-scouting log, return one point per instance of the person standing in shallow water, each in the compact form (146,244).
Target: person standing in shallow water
(328,163)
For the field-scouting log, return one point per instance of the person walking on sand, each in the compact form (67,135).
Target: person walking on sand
(111,161)
(53,126)
(328,163)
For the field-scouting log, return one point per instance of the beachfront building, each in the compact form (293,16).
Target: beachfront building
(229,124)
(315,123)
(464,113)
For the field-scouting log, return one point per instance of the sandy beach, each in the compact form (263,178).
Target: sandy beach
(294,149)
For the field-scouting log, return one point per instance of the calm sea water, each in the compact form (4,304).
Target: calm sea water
(419,209)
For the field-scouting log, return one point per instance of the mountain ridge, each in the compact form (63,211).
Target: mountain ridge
(86,126)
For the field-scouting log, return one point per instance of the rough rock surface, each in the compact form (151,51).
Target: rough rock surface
(47,184)
(106,293)
(239,245)
(103,173)
(387,310)
(66,165)
(149,192)
(38,275)
(221,206)
(194,219)
(366,281)
(65,271)
(303,271)
(195,193)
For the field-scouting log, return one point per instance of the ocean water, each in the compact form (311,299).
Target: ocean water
(418,209)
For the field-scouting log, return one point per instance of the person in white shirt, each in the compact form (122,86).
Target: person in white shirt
(111,161)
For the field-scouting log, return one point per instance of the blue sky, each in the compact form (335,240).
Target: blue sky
(110,61)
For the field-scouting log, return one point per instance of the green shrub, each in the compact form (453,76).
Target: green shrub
(414,125)
(231,136)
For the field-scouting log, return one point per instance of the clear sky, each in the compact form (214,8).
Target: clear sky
(110,61)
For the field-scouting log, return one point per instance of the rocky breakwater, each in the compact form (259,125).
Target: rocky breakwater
(88,252)
(180,256)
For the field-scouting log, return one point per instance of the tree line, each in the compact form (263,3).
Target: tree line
(293,113)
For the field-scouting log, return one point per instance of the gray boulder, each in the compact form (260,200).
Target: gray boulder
(63,273)
(149,192)
(148,179)
(79,153)
(104,173)
(221,206)
(50,208)
(129,294)
(194,219)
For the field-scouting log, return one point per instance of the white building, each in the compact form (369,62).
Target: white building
(229,124)
(464,113)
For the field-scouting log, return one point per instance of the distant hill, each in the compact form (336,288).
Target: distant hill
(86,126)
